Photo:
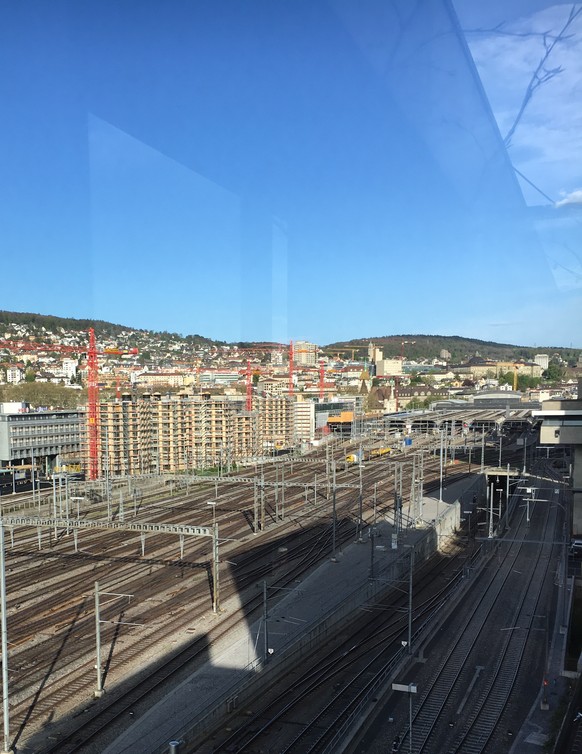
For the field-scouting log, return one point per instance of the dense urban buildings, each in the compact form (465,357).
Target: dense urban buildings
(171,404)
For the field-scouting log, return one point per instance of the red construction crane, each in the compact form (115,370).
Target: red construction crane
(92,386)
(291,358)
(249,405)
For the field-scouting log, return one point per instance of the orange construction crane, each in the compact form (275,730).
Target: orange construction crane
(336,352)
(92,385)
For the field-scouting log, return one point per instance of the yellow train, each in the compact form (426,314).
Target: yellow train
(374,453)
(378,452)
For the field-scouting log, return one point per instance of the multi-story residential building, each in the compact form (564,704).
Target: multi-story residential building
(69,367)
(186,432)
(304,420)
(273,385)
(375,354)
(543,360)
(304,353)
(14,375)
(275,421)
(170,379)
(219,376)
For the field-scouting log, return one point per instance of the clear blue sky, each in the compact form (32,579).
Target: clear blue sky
(315,169)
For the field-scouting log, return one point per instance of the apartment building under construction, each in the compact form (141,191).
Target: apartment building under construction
(156,433)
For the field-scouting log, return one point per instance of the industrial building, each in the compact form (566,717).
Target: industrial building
(478,368)
(562,425)
(47,439)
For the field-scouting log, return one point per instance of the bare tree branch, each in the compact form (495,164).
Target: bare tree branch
(500,32)
(542,75)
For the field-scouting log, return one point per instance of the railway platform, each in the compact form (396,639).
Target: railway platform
(541,725)
(235,659)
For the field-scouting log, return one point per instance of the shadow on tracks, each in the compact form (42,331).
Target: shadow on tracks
(49,672)
(80,556)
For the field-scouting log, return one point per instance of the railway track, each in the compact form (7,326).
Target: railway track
(437,712)
(329,686)
(110,710)
(55,610)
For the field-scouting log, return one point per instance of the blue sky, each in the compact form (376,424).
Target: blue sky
(315,169)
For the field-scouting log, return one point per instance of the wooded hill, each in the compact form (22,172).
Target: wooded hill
(424,346)
(35,322)
(461,349)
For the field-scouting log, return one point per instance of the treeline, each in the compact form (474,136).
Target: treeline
(101,327)
(52,323)
(43,394)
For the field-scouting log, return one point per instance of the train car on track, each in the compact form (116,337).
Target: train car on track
(379,452)
(15,479)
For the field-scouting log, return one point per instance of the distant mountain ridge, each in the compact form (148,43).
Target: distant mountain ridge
(419,346)
(102,328)
(413,346)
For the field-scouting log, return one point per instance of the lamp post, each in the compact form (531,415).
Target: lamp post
(265,625)
(78,501)
(99,690)
(410,574)
(530,491)
(410,689)
(333,514)
(468,513)
(213,504)
(441,469)
(216,561)
(490,489)
(32,474)
(524,454)
(360,510)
